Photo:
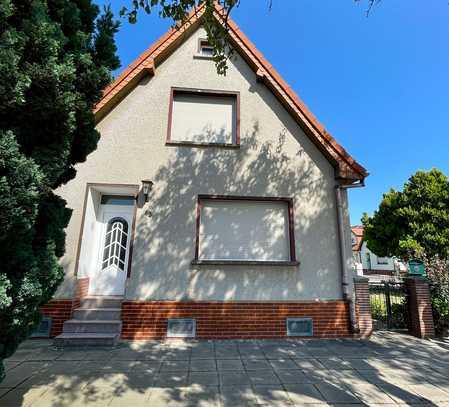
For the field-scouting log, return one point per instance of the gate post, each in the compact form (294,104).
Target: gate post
(363,306)
(419,308)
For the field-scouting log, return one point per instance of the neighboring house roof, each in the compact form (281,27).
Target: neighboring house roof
(358,234)
(348,170)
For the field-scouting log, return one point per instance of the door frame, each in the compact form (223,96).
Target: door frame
(133,190)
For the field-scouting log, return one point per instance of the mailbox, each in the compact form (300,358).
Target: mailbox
(416,268)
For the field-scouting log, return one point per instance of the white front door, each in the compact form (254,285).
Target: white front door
(115,238)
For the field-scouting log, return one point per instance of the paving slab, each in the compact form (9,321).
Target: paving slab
(175,366)
(430,392)
(73,355)
(11,364)
(301,394)
(167,397)
(273,396)
(263,377)
(130,397)
(402,394)
(281,364)
(228,378)
(257,364)
(336,393)
(230,364)
(204,378)
(21,397)
(308,363)
(20,355)
(371,394)
(171,379)
(241,396)
(203,365)
(15,377)
(202,396)
(293,376)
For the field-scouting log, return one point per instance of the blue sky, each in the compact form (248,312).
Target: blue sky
(380,85)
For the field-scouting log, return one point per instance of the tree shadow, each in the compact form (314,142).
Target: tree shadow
(152,372)
(165,237)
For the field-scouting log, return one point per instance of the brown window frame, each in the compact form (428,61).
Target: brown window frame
(236,198)
(207,92)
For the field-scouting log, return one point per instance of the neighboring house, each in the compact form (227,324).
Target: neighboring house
(235,226)
(374,267)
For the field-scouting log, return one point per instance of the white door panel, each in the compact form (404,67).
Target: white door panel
(112,260)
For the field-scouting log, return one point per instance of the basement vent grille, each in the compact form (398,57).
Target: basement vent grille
(299,327)
(43,330)
(181,328)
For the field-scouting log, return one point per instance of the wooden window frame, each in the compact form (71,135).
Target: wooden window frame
(236,198)
(207,92)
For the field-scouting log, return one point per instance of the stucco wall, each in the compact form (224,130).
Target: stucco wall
(374,264)
(275,159)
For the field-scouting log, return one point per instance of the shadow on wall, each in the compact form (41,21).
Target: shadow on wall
(165,237)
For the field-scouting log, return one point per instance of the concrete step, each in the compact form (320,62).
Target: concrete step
(101,302)
(96,326)
(86,339)
(93,314)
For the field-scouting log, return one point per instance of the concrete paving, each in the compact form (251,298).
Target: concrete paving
(389,369)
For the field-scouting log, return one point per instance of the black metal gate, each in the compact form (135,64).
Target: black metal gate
(389,308)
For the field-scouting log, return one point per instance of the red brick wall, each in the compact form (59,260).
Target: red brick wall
(59,311)
(228,320)
(82,287)
(420,308)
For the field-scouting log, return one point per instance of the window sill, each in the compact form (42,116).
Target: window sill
(201,56)
(193,144)
(243,263)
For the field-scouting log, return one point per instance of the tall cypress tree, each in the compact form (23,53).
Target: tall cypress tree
(56,56)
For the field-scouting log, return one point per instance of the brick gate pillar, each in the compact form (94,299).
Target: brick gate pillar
(419,308)
(363,306)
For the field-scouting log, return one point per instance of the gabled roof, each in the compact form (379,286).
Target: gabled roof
(358,234)
(348,170)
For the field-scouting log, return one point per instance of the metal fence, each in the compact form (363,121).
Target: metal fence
(389,308)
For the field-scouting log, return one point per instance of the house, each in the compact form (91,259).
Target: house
(214,206)
(370,265)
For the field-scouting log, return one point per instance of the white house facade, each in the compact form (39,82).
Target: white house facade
(214,204)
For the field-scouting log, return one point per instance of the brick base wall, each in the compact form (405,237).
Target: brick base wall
(234,320)
(59,311)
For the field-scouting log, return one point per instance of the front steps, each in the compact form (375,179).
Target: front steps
(95,323)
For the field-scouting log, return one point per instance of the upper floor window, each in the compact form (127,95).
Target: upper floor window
(382,260)
(203,117)
(205,49)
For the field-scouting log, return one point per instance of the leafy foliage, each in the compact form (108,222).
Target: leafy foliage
(413,222)
(437,271)
(56,56)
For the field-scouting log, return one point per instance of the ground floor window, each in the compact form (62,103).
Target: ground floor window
(244,229)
